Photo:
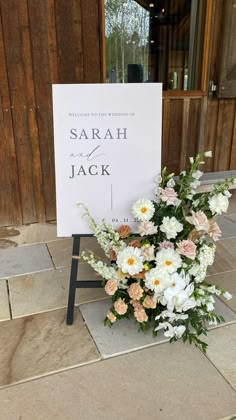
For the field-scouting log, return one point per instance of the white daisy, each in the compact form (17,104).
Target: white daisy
(171,227)
(130,260)
(143,209)
(157,280)
(169,260)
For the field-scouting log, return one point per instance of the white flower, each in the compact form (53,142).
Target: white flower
(171,227)
(227,295)
(130,260)
(143,209)
(213,322)
(218,203)
(197,174)
(170,183)
(170,330)
(191,160)
(208,153)
(172,316)
(206,255)
(210,306)
(147,228)
(157,280)
(158,179)
(175,331)
(195,184)
(169,260)
(227,194)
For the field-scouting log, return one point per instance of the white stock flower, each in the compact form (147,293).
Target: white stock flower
(171,227)
(206,255)
(227,194)
(169,260)
(143,209)
(191,160)
(227,295)
(157,280)
(170,183)
(130,260)
(158,179)
(195,184)
(208,153)
(218,203)
(197,174)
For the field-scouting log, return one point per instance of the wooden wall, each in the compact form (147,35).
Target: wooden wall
(60,41)
(195,121)
(41,42)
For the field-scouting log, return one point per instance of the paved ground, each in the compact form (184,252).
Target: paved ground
(51,371)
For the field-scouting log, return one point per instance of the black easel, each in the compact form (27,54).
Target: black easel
(74,283)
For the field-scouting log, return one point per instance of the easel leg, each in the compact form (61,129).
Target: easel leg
(73,279)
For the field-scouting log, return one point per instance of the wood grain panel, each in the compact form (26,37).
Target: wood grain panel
(210,131)
(69,39)
(91,41)
(10,206)
(45,73)
(175,135)
(18,58)
(224,134)
(233,147)
(193,128)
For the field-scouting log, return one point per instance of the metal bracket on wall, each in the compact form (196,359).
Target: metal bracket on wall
(212,88)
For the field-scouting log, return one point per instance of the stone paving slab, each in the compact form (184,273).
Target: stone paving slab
(29,234)
(225,259)
(39,345)
(4,303)
(227,226)
(222,351)
(24,259)
(44,291)
(61,250)
(226,281)
(166,382)
(123,336)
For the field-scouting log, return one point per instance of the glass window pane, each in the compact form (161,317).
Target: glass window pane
(157,41)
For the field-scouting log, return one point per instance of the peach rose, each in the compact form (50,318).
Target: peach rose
(214,230)
(140,275)
(120,306)
(140,315)
(199,220)
(166,245)
(112,255)
(149,303)
(187,248)
(111,316)
(135,291)
(169,196)
(135,243)
(135,304)
(111,287)
(124,231)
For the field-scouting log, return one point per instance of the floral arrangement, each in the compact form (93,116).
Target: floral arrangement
(159,277)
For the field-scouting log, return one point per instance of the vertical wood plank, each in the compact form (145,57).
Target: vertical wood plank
(165,132)
(10,207)
(210,131)
(233,146)
(91,41)
(175,135)
(224,134)
(69,40)
(18,58)
(45,72)
(193,128)
(184,141)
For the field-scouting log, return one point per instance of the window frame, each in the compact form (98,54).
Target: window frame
(205,60)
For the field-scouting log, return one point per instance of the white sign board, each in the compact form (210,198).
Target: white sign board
(107,151)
